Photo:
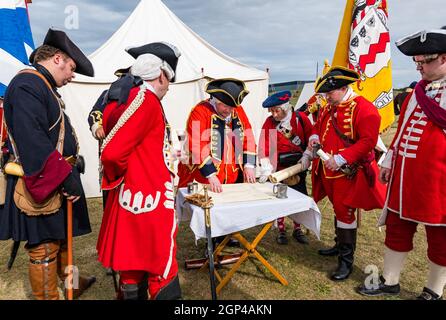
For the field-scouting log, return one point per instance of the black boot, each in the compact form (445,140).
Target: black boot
(129,291)
(333,251)
(143,286)
(134,291)
(346,247)
(172,291)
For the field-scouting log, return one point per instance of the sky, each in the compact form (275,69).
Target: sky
(290,37)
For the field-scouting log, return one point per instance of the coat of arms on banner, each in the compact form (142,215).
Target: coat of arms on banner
(369,40)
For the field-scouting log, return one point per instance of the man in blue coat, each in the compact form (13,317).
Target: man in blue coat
(34,114)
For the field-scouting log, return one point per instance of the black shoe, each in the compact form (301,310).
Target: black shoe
(428,294)
(300,236)
(382,290)
(330,252)
(282,238)
(217,240)
(233,243)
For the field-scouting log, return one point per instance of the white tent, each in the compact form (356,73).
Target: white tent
(152,21)
(305,94)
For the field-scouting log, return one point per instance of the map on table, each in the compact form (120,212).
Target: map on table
(241,192)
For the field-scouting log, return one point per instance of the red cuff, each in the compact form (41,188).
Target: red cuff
(43,183)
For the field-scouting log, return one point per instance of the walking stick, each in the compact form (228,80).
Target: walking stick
(207,218)
(70,248)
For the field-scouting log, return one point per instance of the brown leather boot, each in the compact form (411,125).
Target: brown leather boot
(43,270)
(83,282)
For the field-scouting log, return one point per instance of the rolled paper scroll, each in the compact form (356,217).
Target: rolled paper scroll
(285,173)
(323,155)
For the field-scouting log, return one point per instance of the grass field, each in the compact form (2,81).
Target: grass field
(304,269)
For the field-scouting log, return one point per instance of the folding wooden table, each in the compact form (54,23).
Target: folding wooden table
(230,218)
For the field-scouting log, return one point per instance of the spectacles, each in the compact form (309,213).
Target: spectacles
(428,58)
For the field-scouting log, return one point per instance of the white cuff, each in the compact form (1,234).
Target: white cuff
(340,161)
(212,174)
(387,162)
(93,129)
(249,165)
(313,137)
(265,163)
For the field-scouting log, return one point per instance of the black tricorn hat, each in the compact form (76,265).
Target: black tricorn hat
(162,50)
(59,39)
(423,42)
(335,78)
(228,90)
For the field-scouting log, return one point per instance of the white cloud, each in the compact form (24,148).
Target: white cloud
(287,36)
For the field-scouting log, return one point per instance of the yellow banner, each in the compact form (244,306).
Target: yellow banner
(364,45)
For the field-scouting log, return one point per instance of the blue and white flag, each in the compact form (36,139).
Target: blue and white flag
(16,42)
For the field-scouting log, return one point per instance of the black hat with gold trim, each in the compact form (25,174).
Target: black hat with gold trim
(229,91)
(335,78)
(59,39)
(423,42)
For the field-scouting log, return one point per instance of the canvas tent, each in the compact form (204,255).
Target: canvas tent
(152,21)
(305,94)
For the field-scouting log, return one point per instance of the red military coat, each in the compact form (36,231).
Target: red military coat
(214,146)
(273,142)
(138,228)
(358,119)
(417,187)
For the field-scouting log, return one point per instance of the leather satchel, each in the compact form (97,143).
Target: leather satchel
(25,202)
(22,198)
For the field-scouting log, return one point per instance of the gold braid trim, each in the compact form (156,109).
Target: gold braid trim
(136,103)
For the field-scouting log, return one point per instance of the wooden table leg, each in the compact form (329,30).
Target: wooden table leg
(250,250)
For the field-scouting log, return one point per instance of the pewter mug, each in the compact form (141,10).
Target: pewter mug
(192,187)
(280,190)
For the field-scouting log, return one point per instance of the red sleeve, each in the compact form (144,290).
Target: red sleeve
(42,183)
(365,130)
(117,152)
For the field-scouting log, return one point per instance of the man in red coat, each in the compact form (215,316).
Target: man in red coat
(220,143)
(415,170)
(347,129)
(283,140)
(138,230)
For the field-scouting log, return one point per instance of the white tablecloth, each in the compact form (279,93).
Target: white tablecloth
(233,217)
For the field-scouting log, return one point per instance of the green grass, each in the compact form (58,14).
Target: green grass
(304,269)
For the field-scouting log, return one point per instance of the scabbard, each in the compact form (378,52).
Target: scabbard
(14,249)
(210,249)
